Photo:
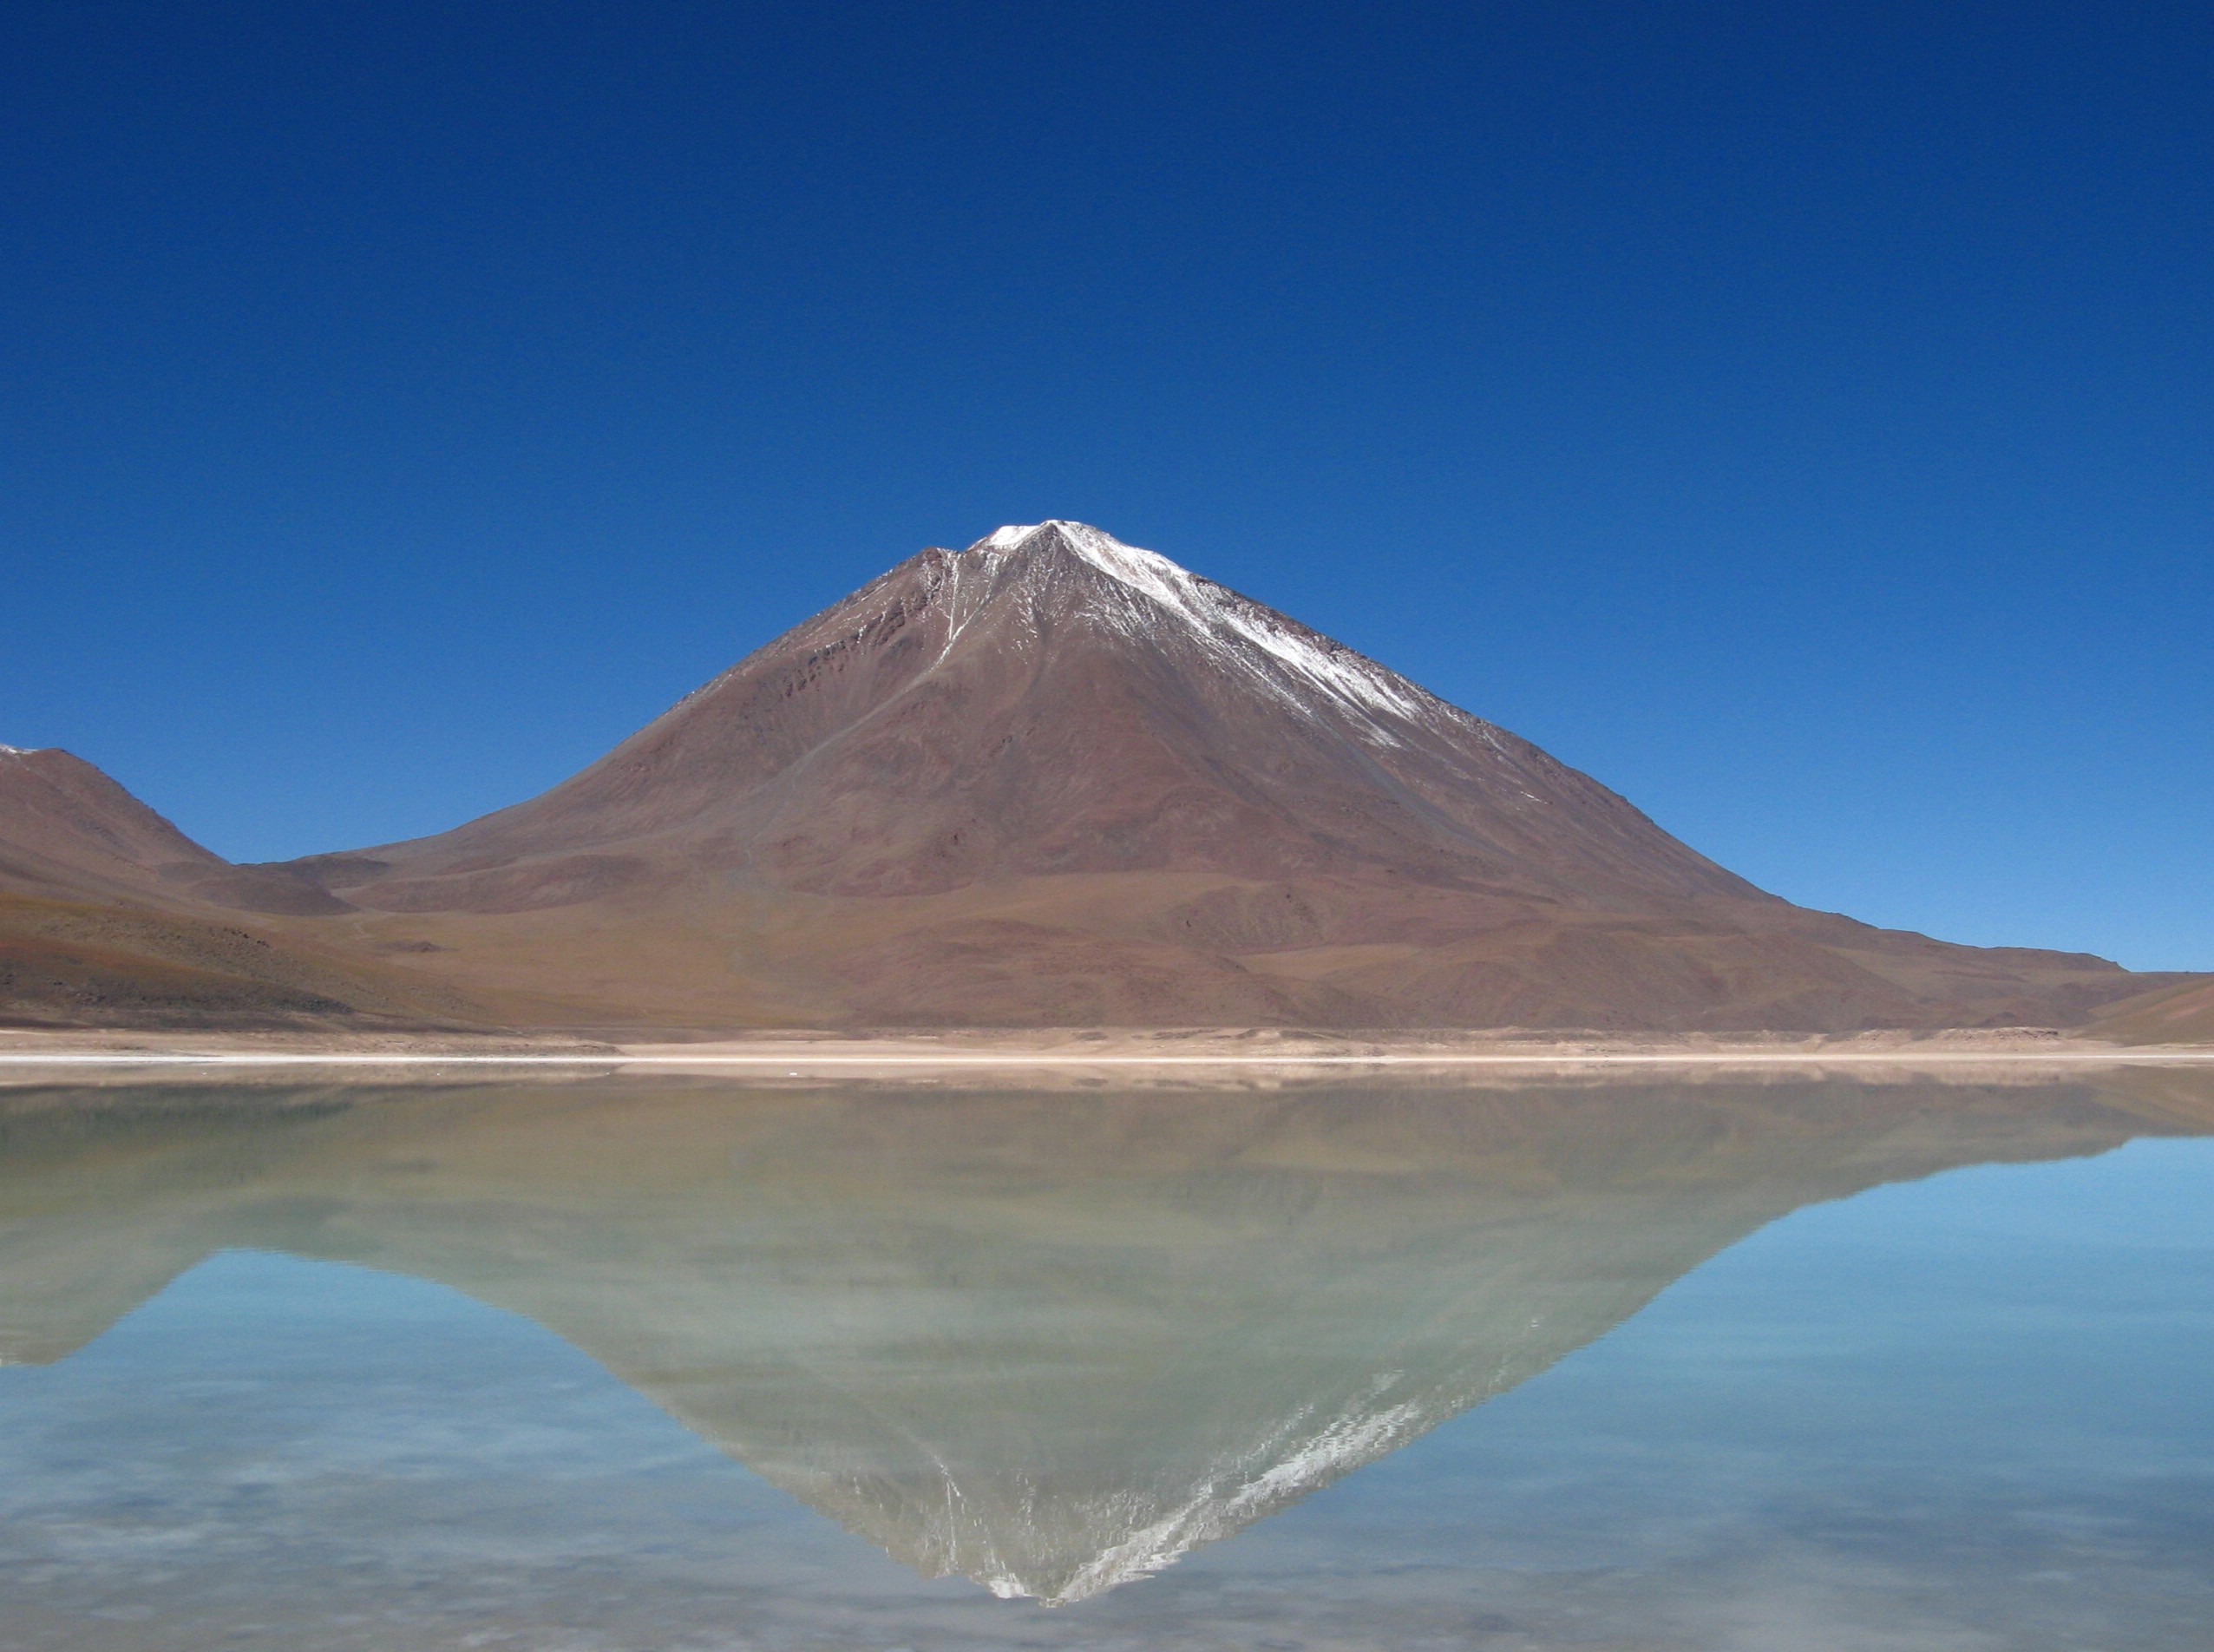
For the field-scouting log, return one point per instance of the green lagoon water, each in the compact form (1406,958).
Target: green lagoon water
(681,1366)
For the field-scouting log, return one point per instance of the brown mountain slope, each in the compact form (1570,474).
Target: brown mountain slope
(2177,1014)
(1050,703)
(1055,779)
(66,828)
(110,915)
(65,825)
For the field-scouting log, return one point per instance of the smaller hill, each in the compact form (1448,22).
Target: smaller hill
(2180,1014)
(66,828)
(111,916)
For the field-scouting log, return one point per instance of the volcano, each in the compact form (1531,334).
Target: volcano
(1056,780)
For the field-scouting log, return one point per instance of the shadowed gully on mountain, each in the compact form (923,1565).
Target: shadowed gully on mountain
(1056,780)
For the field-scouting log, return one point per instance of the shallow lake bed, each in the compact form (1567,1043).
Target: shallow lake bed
(688,1364)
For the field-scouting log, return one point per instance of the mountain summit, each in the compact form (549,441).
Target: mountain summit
(1051,780)
(1052,701)
(1056,779)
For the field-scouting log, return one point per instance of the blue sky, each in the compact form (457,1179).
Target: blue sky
(1800,417)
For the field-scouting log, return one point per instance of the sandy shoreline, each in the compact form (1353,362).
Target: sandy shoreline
(26,1053)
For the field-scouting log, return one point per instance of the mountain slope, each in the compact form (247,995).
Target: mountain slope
(1056,779)
(69,830)
(1053,702)
(109,914)
(2180,1014)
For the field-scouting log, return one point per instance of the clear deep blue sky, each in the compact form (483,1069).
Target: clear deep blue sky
(1801,418)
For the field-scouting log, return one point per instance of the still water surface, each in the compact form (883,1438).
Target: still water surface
(675,1365)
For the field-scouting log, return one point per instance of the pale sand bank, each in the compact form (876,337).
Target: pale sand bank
(25,1053)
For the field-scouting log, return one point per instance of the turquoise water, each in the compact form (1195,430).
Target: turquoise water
(1793,1366)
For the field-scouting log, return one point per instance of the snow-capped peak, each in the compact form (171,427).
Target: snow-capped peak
(1295,663)
(1148,571)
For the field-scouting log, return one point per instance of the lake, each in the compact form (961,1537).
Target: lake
(681,1365)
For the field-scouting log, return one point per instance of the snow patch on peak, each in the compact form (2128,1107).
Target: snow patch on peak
(1294,663)
(1148,570)
(16,750)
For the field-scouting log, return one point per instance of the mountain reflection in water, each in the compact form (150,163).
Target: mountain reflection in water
(1051,1340)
